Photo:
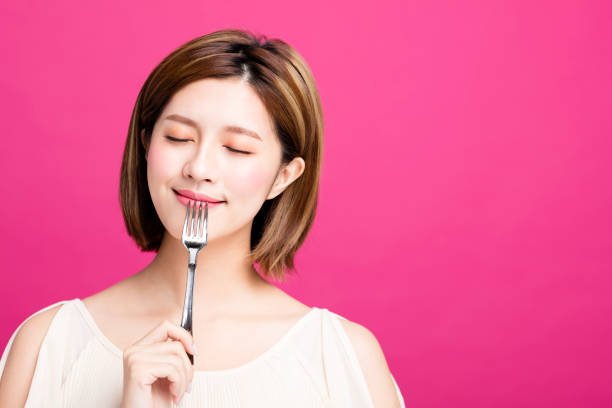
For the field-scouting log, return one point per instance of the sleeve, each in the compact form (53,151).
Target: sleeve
(347,385)
(44,389)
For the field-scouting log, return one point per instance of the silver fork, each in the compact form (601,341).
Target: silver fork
(195,237)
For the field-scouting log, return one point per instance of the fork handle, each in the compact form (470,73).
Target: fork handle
(187,318)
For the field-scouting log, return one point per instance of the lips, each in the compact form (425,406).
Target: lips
(185,197)
(197,197)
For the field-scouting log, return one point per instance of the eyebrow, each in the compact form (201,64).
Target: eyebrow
(230,128)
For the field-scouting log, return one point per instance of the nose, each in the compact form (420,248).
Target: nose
(202,163)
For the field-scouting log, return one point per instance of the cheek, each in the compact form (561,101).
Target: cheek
(160,163)
(250,181)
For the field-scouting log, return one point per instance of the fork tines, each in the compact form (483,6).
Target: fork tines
(196,229)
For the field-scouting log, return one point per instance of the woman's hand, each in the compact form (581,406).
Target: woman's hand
(156,370)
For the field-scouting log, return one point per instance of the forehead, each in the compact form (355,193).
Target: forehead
(215,103)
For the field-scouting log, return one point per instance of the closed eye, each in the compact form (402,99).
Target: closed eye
(173,139)
(237,151)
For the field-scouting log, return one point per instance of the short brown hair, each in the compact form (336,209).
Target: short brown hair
(285,84)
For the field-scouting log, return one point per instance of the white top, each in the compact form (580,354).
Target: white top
(312,365)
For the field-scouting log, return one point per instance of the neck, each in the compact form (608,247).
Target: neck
(224,279)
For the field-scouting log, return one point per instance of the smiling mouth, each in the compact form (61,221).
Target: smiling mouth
(185,200)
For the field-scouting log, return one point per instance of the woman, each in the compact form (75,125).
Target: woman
(238,123)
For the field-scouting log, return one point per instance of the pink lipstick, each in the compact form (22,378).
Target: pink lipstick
(184,196)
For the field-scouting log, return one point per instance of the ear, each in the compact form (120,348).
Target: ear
(144,143)
(286,175)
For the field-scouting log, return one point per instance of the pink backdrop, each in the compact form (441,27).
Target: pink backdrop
(465,198)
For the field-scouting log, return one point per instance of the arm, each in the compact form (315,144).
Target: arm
(373,364)
(18,372)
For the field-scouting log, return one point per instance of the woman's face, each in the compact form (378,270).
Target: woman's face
(210,160)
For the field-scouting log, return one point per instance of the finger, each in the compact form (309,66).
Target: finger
(173,351)
(170,346)
(187,366)
(167,330)
(178,350)
(168,366)
(152,371)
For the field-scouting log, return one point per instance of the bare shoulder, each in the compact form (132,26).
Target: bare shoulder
(373,364)
(21,360)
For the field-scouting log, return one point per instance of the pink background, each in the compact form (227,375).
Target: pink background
(465,197)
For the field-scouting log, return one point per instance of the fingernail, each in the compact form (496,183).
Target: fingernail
(181,399)
(195,349)
(189,389)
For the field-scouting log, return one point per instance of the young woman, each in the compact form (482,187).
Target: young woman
(237,122)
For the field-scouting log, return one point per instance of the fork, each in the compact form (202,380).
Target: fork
(195,237)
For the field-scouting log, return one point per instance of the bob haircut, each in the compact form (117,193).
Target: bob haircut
(283,81)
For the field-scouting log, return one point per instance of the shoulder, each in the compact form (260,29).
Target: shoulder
(373,364)
(21,360)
